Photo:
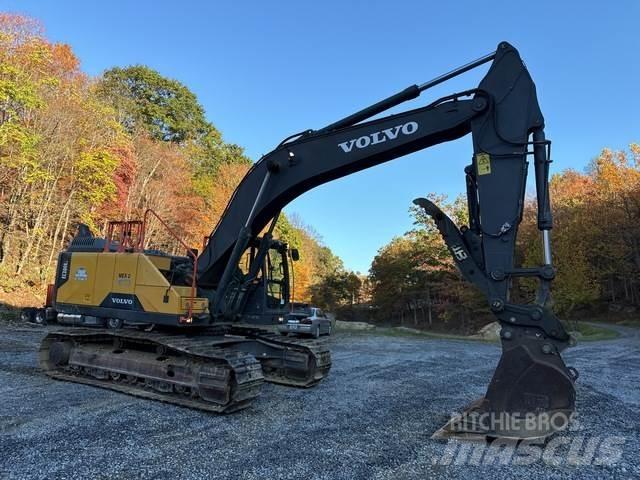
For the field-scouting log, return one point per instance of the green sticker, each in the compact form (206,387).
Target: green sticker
(483,163)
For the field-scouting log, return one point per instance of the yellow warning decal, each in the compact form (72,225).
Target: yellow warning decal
(483,163)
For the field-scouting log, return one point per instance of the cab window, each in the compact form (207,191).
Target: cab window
(276,279)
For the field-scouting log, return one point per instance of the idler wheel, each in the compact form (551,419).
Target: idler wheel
(59,353)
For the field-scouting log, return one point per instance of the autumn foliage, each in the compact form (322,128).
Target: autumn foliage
(60,149)
(596,251)
(596,235)
(75,149)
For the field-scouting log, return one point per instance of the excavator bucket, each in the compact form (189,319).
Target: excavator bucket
(531,394)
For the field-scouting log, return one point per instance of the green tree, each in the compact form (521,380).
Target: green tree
(166,110)
(414,279)
(164,107)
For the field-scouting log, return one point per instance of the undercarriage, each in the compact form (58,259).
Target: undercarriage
(218,369)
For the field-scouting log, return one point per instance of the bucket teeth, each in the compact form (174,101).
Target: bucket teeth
(462,426)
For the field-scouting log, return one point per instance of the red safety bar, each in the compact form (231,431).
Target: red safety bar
(130,237)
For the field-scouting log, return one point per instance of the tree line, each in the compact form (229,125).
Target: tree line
(596,251)
(76,149)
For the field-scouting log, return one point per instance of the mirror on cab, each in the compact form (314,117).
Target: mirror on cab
(295,254)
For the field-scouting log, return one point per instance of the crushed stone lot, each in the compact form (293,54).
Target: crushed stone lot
(371,418)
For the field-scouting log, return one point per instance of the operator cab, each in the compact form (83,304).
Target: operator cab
(268,299)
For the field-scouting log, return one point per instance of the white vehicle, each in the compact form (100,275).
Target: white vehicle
(306,321)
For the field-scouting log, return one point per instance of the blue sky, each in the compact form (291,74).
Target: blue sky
(264,70)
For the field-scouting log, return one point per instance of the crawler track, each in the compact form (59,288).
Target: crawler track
(220,369)
(302,363)
(196,374)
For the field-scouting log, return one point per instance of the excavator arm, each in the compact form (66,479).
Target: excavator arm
(502,114)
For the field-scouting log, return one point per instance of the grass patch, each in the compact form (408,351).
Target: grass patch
(399,332)
(9,314)
(635,323)
(587,332)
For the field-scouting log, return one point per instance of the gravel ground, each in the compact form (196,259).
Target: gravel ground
(371,418)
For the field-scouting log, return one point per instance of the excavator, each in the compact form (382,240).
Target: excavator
(203,346)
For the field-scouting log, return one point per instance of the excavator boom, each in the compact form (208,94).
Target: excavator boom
(507,127)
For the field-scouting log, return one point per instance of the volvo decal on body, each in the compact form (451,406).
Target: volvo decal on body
(122,301)
(381,136)
(125,301)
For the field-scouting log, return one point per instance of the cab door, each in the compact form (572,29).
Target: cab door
(276,277)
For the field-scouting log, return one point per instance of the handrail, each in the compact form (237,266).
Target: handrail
(187,319)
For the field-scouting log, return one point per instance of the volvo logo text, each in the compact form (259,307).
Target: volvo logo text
(122,301)
(374,138)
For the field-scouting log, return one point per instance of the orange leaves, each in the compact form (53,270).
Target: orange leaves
(123,177)
(63,59)
(66,157)
(596,232)
(160,177)
(570,188)
(160,180)
(17,29)
(635,151)
(226,180)
(306,270)
(614,173)
(23,44)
